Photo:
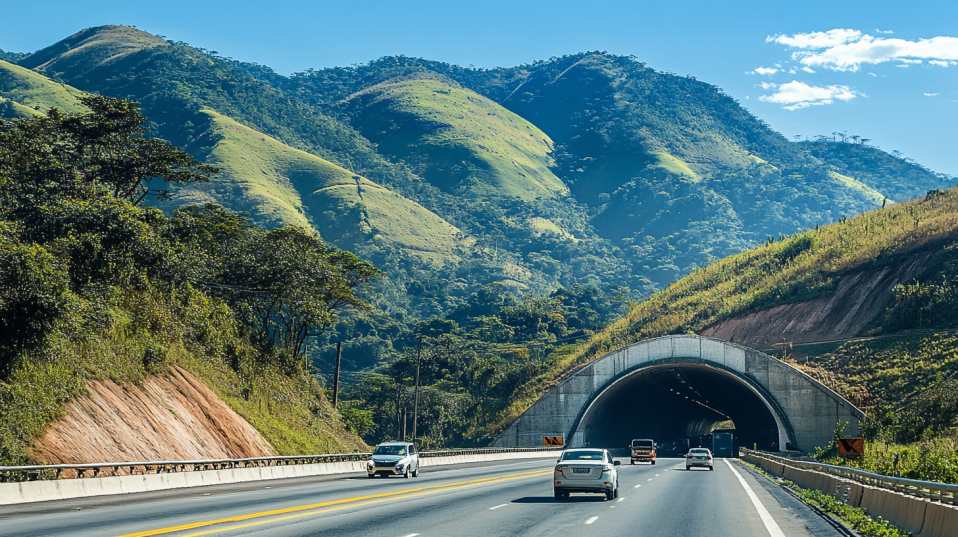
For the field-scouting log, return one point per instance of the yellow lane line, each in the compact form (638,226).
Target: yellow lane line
(385,495)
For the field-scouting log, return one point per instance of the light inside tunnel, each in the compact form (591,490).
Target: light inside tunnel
(677,400)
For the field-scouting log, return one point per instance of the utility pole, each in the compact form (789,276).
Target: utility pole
(415,407)
(339,359)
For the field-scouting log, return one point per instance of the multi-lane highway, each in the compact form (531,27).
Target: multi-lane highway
(503,498)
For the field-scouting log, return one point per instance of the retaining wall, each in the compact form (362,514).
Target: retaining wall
(918,516)
(62,489)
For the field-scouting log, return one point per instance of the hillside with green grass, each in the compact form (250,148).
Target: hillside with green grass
(462,141)
(283,186)
(25,93)
(94,285)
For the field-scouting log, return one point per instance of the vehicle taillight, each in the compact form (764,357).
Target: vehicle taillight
(689,456)
(709,457)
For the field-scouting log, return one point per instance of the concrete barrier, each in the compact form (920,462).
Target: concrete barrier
(940,521)
(61,489)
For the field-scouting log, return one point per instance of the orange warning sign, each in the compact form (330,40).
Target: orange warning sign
(552,441)
(851,447)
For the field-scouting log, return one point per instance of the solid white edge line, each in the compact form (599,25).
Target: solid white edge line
(770,525)
(498,506)
(591,520)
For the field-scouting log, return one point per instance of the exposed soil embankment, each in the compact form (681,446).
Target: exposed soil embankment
(172,417)
(856,301)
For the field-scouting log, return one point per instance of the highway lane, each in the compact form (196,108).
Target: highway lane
(510,498)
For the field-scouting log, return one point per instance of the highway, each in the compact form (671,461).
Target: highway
(501,498)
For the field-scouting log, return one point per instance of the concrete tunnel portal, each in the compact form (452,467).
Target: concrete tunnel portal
(676,387)
(678,400)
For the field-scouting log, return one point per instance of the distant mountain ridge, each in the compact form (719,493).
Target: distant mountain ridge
(590,168)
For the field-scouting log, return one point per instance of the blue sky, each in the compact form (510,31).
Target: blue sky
(860,57)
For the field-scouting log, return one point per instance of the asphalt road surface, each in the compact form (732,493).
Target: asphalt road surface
(503,498)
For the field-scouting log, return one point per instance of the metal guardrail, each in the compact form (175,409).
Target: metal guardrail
(56,471)
(943,492)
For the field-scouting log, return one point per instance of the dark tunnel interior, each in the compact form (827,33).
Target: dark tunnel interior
(675,401)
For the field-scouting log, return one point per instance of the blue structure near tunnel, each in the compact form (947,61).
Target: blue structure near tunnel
(681,386)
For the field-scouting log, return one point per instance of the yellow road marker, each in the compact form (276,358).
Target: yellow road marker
(377,498)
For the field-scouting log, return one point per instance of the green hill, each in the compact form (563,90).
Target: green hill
(24,93)
(279,185)
(461,140)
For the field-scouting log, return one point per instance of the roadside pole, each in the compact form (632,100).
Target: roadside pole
(339,359)
(415,407)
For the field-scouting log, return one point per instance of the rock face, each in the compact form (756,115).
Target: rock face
(174,417)
(855,302)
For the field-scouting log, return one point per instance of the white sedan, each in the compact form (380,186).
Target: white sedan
(586,470)
(698,457)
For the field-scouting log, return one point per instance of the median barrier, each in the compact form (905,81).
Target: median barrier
(61,489)
(940,521)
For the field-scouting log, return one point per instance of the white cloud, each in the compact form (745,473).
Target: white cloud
(872,74)
(942,63)
(909,61)
(769,85)
(796,95)
(877,31)
(792,71)
(827,39)
(931,95)
(902,65)
(808,69)
(847,50)
(763,71)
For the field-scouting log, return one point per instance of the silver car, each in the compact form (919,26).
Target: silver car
(698,457)
(586,470)
(394,458)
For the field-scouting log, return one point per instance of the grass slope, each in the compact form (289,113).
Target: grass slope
(91,48)
(25,90)
(463,140)
(280,185)
(798,268)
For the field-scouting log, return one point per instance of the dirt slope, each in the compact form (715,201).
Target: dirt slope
(857,299)
(174,417)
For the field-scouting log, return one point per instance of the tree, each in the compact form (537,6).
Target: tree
(102,151)
(34,298)
(289,286)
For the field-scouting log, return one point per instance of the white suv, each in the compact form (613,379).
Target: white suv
(394,458)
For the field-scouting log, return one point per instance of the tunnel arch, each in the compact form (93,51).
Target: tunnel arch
(641,389)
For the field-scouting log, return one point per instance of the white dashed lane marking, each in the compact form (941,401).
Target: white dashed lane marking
(637,486)
(498,506)
(591,520)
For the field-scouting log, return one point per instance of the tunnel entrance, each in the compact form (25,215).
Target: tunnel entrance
(679,400)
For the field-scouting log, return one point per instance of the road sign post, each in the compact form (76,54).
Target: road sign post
(552,441)
(851,448)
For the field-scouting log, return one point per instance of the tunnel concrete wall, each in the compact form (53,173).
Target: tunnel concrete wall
(805,411)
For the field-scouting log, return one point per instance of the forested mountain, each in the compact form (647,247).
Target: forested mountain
(513,210)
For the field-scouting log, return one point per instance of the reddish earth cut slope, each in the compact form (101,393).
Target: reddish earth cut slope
(173,417)
(857,299)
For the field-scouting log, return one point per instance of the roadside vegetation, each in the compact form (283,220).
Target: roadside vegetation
(855,517)
(95,285)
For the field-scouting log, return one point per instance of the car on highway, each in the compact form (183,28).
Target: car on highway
(394,458)
(698,457)
(589,470)
(643,450)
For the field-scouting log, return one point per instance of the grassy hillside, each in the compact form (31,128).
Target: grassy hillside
(794,269)
(461,140)
(280,185)
(26,91)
